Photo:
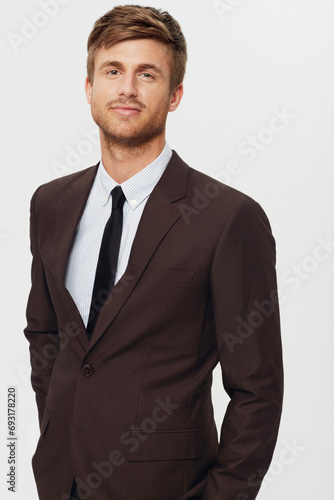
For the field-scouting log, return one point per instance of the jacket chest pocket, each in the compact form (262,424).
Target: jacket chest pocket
(168,276)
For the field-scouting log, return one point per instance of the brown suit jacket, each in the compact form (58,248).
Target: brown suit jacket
(129,413)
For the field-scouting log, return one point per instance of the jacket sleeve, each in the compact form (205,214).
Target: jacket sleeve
(245,307)
(41,330)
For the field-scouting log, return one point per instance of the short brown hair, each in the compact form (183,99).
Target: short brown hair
(129,22)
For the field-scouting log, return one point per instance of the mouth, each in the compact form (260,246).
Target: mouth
(126,110)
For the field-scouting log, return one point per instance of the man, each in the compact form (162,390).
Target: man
(129,313)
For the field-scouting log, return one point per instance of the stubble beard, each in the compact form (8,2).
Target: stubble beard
(131,140)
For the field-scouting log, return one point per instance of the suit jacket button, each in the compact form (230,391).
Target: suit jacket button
(87,370)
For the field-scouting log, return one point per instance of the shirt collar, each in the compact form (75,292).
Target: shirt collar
(139,186)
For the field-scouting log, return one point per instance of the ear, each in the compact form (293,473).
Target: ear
(176,98)
(89,90)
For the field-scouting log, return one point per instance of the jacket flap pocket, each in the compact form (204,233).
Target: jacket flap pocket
(164,445)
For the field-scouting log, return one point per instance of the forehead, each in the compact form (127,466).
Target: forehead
(136,53)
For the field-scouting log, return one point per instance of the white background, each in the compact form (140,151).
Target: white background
(247,61)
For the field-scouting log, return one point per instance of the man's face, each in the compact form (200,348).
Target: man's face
(130,94)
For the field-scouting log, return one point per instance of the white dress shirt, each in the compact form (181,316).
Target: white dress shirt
(81,266)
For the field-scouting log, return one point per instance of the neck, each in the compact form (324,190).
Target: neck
(122,162)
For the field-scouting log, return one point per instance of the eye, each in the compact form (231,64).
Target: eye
(147,75)
(113,72)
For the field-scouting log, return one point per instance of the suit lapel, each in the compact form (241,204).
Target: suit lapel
(158,217)
(70,209)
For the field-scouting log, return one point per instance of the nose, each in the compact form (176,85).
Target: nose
(128,86)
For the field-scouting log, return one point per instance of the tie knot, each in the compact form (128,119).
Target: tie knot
(117,198)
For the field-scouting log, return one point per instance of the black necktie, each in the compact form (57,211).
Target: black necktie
(108,257)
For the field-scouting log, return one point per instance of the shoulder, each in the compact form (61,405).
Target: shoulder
(227,214)
(218,201)
(55,190)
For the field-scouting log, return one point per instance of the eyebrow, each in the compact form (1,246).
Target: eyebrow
(140,67)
